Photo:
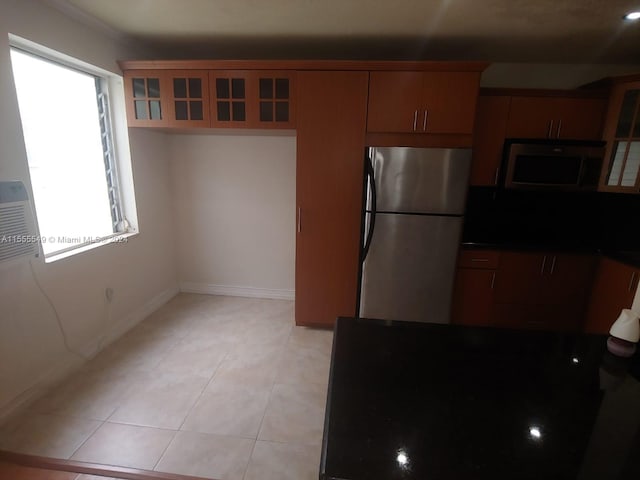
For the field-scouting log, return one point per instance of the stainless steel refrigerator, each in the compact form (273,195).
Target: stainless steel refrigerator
(413,224)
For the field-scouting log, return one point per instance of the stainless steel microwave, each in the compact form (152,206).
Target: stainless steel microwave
(570,165)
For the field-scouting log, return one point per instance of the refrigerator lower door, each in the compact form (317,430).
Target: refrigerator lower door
(409,271)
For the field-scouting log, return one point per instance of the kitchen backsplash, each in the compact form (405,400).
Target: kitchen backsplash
(553,219)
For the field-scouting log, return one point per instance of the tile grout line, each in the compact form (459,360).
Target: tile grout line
(246,469)
(164,452)
(87,439)
(175,434)
(192,406)
(202,391)
(273,385)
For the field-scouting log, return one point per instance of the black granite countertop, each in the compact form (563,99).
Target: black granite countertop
(527,247)
(628,257)
(445,402)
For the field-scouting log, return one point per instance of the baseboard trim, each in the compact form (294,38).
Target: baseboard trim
(71,363)
(74,466)
(132,319)
(237,291)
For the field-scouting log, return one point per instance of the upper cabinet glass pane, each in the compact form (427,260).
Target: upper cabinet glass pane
(196,110)
(138,87)
(195,88)
(153,85)
(182,112)
(627,112)
(266,111)
(155,109)
(141,110)
(632,165)
(636,126)
(266,88)
(223,111)
(180,87)
(282,88)
(616,165)
(282,111)
(238,112)
(237,88)
(222,88)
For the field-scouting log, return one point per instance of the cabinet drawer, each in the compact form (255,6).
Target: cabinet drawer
(486,259)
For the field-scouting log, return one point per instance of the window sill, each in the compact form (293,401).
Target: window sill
(120,238)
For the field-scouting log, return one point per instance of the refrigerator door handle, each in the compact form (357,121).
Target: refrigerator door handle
(372,220)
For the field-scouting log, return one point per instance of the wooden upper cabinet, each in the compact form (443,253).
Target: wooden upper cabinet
(622,133)
(613,289)
(556,117)
(449,102)
(146,93)
(532,117)
(187,98)
(582,118)
(394,99)
(252,99)
(489,133)
(422,102)
(331,121)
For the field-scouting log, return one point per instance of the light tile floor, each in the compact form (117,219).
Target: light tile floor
(219,387)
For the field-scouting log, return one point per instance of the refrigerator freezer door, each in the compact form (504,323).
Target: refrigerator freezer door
(408,274)
(421,180)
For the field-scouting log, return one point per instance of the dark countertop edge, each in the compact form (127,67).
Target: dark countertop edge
(626,257)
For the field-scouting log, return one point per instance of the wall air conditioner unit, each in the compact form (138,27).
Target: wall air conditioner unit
(18,237)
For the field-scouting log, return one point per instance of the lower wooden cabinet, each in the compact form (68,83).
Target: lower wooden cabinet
(473,297)
(331,121)
(530,290)
(542,290)
(614,288)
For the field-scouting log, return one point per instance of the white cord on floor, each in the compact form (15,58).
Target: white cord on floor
(55,312)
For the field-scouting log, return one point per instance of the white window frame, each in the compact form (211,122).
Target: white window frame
(120,168)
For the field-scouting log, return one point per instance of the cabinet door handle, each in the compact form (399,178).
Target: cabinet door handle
(493,280)
(633,278)
(553,265)
(479,259)
(415,120)
(424,120)
(495,180)
(550,128)
(559,127)
(544,261)
(299,220)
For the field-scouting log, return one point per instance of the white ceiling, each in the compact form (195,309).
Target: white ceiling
(567,31)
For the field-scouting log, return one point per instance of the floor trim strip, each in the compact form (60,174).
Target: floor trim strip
(90,468)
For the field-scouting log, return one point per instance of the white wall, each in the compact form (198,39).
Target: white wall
(235,213)
(142,272)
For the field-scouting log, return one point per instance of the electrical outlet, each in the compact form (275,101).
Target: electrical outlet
(108,294)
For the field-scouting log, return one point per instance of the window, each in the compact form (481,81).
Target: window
(65,114)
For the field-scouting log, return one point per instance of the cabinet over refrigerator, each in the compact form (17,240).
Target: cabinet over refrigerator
(413,217)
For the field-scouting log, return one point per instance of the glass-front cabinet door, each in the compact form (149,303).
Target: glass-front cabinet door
(623,141)
(229,102)
(188,98)
(144,90)
(275,99)
(252,99)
